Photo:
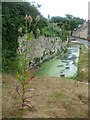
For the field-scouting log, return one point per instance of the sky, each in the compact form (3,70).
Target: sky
(77,8)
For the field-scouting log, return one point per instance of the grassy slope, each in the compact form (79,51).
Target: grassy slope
(52,97)
(83,64)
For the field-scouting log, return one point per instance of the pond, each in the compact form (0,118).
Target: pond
(65,66)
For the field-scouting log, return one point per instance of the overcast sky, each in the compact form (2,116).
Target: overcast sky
(77,8)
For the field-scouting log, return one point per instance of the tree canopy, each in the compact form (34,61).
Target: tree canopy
(70,22)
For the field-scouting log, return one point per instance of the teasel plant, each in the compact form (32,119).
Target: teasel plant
(24,73)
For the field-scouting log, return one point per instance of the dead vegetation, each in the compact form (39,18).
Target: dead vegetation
(51,97)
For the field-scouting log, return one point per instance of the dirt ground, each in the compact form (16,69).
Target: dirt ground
(51,98)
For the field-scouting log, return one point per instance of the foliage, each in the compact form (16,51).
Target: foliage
(65,50)
(57,19)
(74,77)
(74,62)
(83,64)
(80,20)
(82,73)
(12,18)
(58,52)
(81,46)
(37,60)
(51,30)
(63,34)
(69,21)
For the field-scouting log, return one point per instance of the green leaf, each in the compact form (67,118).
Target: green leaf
(31,46)
(29,37)
(27,72)
(18,76)
(21,67)
(27,86)
(22,79)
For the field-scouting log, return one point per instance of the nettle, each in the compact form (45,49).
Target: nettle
(24,73)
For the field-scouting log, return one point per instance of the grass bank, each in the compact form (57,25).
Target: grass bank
(52,97)
(83,64)
(82,74)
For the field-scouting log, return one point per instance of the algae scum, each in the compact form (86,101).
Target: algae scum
(62,66)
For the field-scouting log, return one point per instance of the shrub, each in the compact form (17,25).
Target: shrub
(64,35)
(12,18)
(51,30)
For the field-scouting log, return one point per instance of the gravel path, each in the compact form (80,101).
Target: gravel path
(80,40)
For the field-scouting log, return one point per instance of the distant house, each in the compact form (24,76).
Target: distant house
(79,25)
(82,31)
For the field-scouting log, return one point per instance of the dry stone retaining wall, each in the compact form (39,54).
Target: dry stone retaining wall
(44,46)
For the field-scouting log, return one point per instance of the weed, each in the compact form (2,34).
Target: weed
(24,74)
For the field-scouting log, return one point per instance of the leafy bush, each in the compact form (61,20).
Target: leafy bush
(12,18)
(69,21)
(59,19)
(51,30)
(63,34)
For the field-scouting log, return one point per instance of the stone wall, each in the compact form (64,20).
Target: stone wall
(45,47)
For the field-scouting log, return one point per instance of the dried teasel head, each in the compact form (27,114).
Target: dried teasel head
(38,18)
(30,19)
(20,30)
(26,17)
(38,31)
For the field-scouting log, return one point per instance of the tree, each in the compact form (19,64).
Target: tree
(12,18)
(69,16)
(64,34)
(70,21)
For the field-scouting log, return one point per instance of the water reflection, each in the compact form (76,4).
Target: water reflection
(65,66)
(69,62)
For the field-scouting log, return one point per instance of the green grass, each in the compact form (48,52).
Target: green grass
(83,65)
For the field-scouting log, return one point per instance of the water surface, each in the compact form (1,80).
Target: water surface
(63,66)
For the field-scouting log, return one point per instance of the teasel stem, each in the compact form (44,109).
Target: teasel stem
(29,26)
(23,96)
(26,25)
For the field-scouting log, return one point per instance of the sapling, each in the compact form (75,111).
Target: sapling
(24,73)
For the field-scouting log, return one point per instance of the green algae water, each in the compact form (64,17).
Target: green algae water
(63,66)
